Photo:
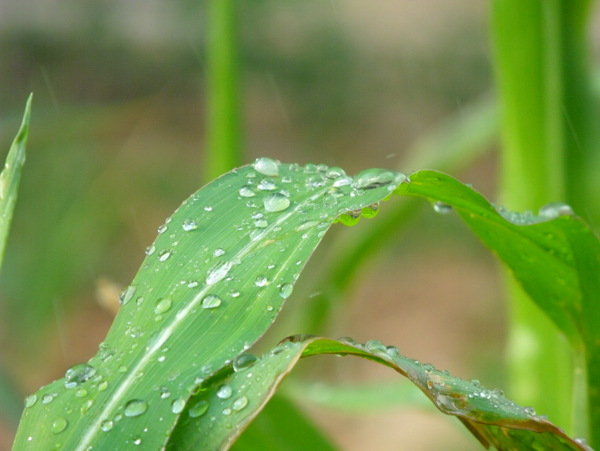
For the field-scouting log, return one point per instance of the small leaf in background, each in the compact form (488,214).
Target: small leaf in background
(209,287)
(229,402)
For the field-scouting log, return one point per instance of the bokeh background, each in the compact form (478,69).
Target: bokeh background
(117,142)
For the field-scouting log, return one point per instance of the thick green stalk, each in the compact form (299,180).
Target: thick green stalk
(542,80)
(223,148)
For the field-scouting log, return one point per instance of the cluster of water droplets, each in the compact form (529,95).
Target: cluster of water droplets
(546,213)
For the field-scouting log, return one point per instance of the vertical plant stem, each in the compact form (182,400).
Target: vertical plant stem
(223,142)
(541,70)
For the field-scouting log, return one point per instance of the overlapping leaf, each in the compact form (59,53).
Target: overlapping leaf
(210,286)
(226,404)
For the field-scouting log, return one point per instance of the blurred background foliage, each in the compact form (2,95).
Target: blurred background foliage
(118,139)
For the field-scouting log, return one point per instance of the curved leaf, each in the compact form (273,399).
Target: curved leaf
(211,284)
(217,415)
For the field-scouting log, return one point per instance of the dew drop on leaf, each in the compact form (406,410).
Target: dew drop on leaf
(198,409)
(246,191)
(30,400)
(554,210)
(135,407)
(243,362)
(217,272)
(106,425)
(239,404)
(77,374)
(211,301)
(266,185)
(58,425)
(189,225)
(286,290)
(127,294)
(261,281)
(442,208)
(164,255)
(375,178)
(178,405)
(266,166)
(163,306)
(224,391)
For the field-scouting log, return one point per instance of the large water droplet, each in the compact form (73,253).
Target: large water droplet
(178,405)
(189,225)
(78,373)
(239,404)
(243,362)
(211,301)
(286,290)
(442,208)
(375,178)
(106,425)
(198,409)
(266,166)
(58,425)
(135,407)
(163,306)
(224,391)
(127,294)
(217,272)
(164,255)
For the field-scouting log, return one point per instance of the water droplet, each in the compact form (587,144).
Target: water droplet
(164,254)
(178,405)
(224,391)
(86,406)
(344,180)
(150,250)
(127,294)
(198,409)
(227,411)
(106,425)
(266,185)
(189,225)
(529,411)
(162,306)
(81,393)
(334,172)
(261,223)
(286,290)
(243,362)
(135,407)
(102,386)
(246,191)
(239,404)
(137,441)
(162,228)
(31,400)
(218,252)
(266,166)
(211,301)
(261,281)
(58,425)
(554,210)
(442,208)
(217,272)
(78,373)
(164,393)
(375,178)
(375,346)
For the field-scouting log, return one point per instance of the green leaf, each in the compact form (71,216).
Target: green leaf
(10,177)
(211,284)
(493,419)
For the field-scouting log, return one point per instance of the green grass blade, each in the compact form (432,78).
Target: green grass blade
(10,177)
(210,286)
(488,415)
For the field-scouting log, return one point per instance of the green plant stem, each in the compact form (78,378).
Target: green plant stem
(541,76)
(223,142)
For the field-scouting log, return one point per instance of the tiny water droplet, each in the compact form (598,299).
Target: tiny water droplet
(163,306)
(164,255)
(442,208)
(218,252)
(198,409)
(58,425)
(529,411)
(266,166)
(217,272)
(135,407)
(261,281)
(81,393)
(137,441)
(266,185)
(102,386)
(243,362)
(554,210)
(106,425)
(286,290)
(239,404)
(178,405)
(211,301)
(208,208)
(127,294)
(375,345)
(86,406)
(375,178)
(224,391)
(162,228)
(150,250)
(47,399)
(189,225)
